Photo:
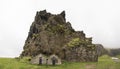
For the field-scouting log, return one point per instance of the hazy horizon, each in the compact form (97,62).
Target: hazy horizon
(99,19)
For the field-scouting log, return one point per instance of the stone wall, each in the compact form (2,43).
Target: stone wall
(47,60)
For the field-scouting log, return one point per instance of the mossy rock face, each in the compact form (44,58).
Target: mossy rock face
(74,42)
(51,34)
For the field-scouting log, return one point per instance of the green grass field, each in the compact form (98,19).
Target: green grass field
(105,62)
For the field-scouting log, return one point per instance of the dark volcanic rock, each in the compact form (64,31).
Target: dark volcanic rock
(101,50)
(51,34)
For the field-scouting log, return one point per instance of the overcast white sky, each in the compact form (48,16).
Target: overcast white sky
(99,19)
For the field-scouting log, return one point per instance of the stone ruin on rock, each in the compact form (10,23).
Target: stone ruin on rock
(50,34)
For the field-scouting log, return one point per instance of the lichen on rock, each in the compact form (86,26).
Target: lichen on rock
(51,34)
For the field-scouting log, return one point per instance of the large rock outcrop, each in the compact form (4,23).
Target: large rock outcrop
(51,34)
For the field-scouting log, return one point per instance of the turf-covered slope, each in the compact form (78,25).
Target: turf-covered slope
(51,34)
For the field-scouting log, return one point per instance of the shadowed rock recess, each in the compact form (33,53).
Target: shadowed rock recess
(51,34)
